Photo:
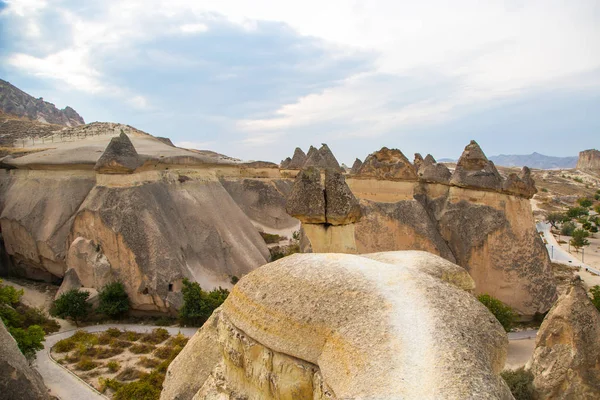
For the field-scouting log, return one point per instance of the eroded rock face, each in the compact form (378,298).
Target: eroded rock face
(119,157)
(474,170)
(388,164)
(418,161)
(285,164)
(565,362)
(432,172)
(329,160)
(338,326)
(589,160)
(313,158)
(341,207)
(307,199)
(18,381)
(298,160)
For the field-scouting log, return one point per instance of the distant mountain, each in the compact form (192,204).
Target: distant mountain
(16,102)
(535,160)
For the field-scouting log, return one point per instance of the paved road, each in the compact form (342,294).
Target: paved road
(66,385)
(557,253)
(528,334)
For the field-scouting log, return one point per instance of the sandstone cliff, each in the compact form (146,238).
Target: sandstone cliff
(18,381)
(473,217)
(338,326)
(589,161)
(566,359)
(16,102)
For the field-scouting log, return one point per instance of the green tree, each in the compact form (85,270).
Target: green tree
(576,212)
(114,301)
(597,208)
(9,295)
(568,228)
(585,202)
(72,304)
(29,340)
(579,239)
(198,305)
(503,313)
(555,218)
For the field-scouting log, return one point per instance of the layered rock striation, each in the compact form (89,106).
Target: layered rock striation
(339,326)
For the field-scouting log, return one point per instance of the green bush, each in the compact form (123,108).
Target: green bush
(141,348)
(520,382)
(9,295)
(86,364)
(37,316)
(63,346)
(113,366)
(568,228)
(29,339)
(585,202)
(163,352)
(114,301)
(270,238)
(107,383)
(503,313)
(129,374)
(198,305)
(148,362)
(157,336)
(72,304)
(139,390)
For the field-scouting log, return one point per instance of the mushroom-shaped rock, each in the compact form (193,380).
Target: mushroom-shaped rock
(120,157)
(298,160)
(521,185)
(306,201)
(285,164)
(329,160)
(566,360)
(341,326)
(356,166)
(388,164)
(474,170)
(341,206)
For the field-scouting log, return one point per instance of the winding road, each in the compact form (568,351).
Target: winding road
(63,383)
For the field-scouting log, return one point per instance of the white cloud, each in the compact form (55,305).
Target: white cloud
(193,28)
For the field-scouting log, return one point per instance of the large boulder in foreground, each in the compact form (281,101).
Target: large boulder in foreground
(340,326)
(18,381)
(566,359)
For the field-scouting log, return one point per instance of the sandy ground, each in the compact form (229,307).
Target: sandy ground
(591,257)
(519,352)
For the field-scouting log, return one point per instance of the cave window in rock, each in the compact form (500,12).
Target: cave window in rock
(170,287)
(145,291)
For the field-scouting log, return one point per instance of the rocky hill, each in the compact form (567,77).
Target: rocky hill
(589,160)
(16,102)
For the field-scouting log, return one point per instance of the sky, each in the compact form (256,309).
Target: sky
(255,79)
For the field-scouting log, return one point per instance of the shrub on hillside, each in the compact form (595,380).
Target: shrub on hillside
(72,304)
(595,292)
(198,305)
(568,228)
(29,339)
(114,301)
(503,313)
(520,382)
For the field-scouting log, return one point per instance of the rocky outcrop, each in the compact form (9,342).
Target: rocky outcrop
(474,170)
(120,157)
(18,381)
(285,164)
(329,160)
(589,161)
(388,164)
(356,166)
(432,172)
(338,326)
(566,359)
(16,102)
(418,161)
(313,158)
(522,185)
(330,202)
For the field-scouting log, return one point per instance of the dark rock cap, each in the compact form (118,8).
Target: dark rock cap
(329,160)
(434,173)
(474,170)
(285,164)
(313,158)
(341,207)
(356,166)
(429,159)
(388,164)
(306,201)
(120,157)
(418,161)
(298,160)
(520,185)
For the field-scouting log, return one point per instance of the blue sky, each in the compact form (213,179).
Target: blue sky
(256,79)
